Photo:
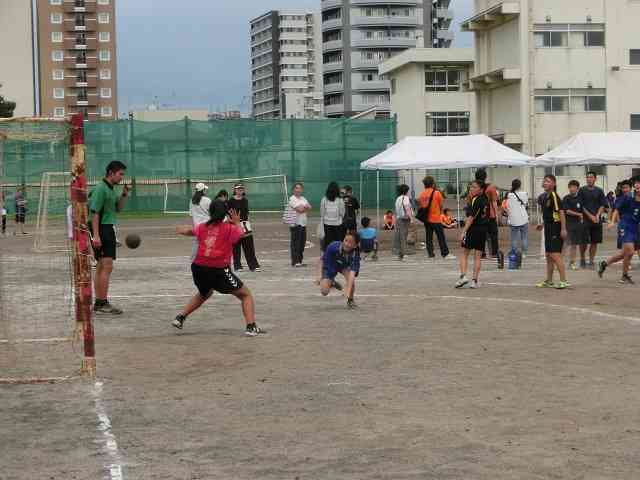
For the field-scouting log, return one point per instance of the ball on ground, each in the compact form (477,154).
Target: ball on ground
(132,240)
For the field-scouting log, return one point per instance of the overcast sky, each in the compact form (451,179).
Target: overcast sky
(195,53)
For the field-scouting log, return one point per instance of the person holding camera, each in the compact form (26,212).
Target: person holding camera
(518,217)
(239,203)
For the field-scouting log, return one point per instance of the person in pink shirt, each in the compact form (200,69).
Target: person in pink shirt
(211,266)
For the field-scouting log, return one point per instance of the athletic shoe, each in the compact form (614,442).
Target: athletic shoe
(299,265)
(545,284)
(602,266)
(253,330)
(474,284)
(400,259)
(573,266)
(237,269)
(107,308)
(462,281)
(583,264)
(626,280)
(431,257)
(337,285)
(449,257)
(351,303)
(562,285)
(257,269)
(178,322)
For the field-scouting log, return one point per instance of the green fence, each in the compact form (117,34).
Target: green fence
(179,153)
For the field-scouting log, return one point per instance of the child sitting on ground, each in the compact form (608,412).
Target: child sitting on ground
(368,239)
(389,220)
(447,220)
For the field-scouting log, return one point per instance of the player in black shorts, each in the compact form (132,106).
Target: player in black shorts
(594,201)
(555,232)
(474,233)
(572,207)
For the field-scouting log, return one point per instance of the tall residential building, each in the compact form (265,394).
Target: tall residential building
(76,47)
(17,71)
(358,35)
(286,75)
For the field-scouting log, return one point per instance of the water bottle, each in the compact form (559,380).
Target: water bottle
(513,260)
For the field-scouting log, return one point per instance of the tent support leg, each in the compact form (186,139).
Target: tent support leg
(361,196)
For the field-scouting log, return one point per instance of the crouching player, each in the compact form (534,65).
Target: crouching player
(210,268)
(341,257)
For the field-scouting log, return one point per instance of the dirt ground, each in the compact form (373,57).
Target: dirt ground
(422,381)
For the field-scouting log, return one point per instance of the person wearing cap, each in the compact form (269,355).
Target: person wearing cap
(199,212)
(239,203)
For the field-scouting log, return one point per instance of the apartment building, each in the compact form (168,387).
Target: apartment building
(358,35)
(76,49)
(17,75)
(286,76)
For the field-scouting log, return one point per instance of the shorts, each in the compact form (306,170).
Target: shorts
(476,238)
(627,235)
(367,244)
(108,240)
(222,280)
(552,240)
(576,233)
(20,217)
(593,232)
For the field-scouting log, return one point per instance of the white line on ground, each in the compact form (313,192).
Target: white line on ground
(114,468)
(38,340)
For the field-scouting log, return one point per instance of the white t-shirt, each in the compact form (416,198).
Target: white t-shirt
(297,202)
(332,213)
(200,213)
(518,215)
(403,207)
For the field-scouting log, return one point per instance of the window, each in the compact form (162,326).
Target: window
(447,123)
(57,55)
(103,2)
(58,93)
(58,112)
(105,55)
(103,17)
(56,18)
(55,2)
(104,37)
(105,93)
(56,37)
(552,104)
(442,81)
(595,104)
(551,39)
(635,121)
(634,57)
(105,74)
(58,74)
(594,39)
(106,111)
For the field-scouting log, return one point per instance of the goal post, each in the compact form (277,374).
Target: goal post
(267,193)
(52,222)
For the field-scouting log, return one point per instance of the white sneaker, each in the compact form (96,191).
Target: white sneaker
(449,257)
(462,281)
(474,284)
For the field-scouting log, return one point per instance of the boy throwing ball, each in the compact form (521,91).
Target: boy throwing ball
(210,268)
(344,258)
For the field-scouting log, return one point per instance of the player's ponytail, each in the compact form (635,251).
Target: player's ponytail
(197,196)
(217,212)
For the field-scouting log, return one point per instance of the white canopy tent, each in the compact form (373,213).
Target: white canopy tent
(606,148)
(446,152)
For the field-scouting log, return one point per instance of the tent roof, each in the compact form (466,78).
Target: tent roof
(606,148)
(462,151)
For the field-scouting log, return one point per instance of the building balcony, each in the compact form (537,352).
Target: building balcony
(329,4)
(332,67)
(495,79)
(411,3)
(74,82)
(380,107)
(89,25)
(492,17)
(386,42)
(391,20)
(444,13)
(374,85)
(88,44)
(335,109)
(72,6)
(333,87)
(446,35)
(72,62)
(332,45)
(358,63)
(332,24)
(88,101)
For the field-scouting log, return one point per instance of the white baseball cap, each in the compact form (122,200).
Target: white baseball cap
(200,187)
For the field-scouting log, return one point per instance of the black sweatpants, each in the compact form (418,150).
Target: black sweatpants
(492,237)
(298,242)
(429,229)
(249,253)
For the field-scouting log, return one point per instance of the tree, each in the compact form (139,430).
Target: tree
(6,108)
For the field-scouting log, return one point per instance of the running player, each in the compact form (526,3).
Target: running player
(344,258)
(555,232)
(210,269)
(474,233)
(627,210)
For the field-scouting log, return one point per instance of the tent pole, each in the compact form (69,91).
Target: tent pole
(361,196)
(458,191)
(378,199)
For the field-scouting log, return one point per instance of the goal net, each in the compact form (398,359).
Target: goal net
(53,230)
(267,194)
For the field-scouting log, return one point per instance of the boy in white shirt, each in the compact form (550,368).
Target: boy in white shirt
(298,229)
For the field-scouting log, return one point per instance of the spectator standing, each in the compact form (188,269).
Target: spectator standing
(199,212)
(518,217)
(20,203)
(298,229)
(430,202)
(351,208)
(240,204)
(404,218)
(332,210)
(593,202)
(3,214)
(492,195)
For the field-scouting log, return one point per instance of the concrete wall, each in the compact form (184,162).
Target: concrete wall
(568,11)
(169,115)
(16,52)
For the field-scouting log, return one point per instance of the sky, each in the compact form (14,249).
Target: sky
(195,53)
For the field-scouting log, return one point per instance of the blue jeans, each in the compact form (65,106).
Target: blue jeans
(520,235)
